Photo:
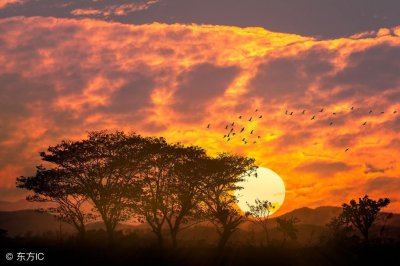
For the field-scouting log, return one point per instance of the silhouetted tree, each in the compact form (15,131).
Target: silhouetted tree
(103,168)
(171,191)
(338,229)
(52,186)
(362,214)
(260,211)
(154,178)
(184,187)
(221,178)
(288,228)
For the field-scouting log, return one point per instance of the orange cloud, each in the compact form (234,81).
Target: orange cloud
(62,77)
(4,3)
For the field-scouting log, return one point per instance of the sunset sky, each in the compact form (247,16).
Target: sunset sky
(147,67)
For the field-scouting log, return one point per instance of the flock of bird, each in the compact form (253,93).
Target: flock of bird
(246,134)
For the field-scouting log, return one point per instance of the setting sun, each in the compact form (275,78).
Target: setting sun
(267,185)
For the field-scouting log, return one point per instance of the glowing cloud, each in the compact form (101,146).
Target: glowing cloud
(62,77)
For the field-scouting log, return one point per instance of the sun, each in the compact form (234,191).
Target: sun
(267,185)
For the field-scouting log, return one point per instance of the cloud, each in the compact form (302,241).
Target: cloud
(115,10)
(288,77)
(200,85)
(5,3)
(385,184)
(368,72)
(62,77)
(371,169)
(324,169)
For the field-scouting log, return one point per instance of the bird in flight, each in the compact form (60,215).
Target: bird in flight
(256,110)
(304,111)
(312,118)
(334,113)
(242,130)
(394,112)
(260,116)
(364,123)
(240,117)
(250,119)
(382,112)
(251,132)
(291,113)
(321,110)
(254,142)
(208,126)
(258,137)
(331,123)
(370,111)
(232,123)
(226,127)
(352,108)
(346,150)
(286,112)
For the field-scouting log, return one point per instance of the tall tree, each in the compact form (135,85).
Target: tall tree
(362,214)
(181,207)
(104,167)
(222,176)
(170,188)
(52,186)
(260,211)
(154,179)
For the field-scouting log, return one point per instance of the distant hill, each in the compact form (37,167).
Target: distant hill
(319,216)
(19,205)
(19,223)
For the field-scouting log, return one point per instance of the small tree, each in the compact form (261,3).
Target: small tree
(260,211)
(363,214)
(288,228)
(338,229)
(51,186)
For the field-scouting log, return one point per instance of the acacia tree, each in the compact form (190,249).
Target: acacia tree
(288,228)
(52,186)
(362,214)
(260,211)
(154,180)
(184,187)
(170,188)
(103,168)
(221,177)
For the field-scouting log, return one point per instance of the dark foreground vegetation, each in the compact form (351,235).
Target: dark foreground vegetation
(178,193)
(129,250)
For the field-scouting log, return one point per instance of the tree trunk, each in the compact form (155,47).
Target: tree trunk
(366,237)
(266,234)
(222,241)
(82,234)
(174,234)
(284,239)
(160,239)
(110,234)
